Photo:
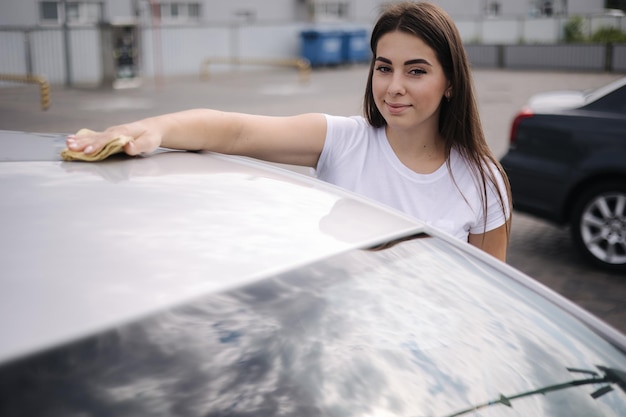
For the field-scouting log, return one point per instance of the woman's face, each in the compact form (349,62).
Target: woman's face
(408,82)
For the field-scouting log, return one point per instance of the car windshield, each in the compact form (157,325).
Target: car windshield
(418,329)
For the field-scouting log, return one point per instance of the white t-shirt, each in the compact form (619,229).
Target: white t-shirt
(358,157)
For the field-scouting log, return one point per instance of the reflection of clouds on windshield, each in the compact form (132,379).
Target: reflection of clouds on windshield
(387,333)
(361,345)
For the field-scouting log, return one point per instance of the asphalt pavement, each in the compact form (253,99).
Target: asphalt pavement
(541,250)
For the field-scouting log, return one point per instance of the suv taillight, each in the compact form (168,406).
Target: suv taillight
(524,113)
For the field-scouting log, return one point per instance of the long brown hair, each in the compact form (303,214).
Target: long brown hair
(459,120)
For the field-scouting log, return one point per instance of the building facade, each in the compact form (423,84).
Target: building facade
(85,12)
(90,42)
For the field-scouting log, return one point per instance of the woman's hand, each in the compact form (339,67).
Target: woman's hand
(145,140)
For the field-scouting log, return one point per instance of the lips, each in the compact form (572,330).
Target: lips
(396,108)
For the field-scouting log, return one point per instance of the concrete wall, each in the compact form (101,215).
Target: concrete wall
(174,51)
(585,6)
(223,11)
(18,13)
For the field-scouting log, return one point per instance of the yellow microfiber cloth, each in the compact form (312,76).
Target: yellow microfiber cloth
(115,145)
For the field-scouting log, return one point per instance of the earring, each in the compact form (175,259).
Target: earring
(447,94)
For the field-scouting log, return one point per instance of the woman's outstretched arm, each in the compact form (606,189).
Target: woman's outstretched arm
(296,140)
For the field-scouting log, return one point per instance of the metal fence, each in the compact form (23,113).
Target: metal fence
(41,52)
(568,57)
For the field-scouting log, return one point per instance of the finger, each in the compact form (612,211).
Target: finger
(85,141)
(70,142)
(76,143)
(131,148)
(144,143)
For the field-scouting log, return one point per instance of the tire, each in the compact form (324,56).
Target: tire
(598,225)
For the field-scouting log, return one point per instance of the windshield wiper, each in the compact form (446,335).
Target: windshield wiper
(394,242)
(609,376)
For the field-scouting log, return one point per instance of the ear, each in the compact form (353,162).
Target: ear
(448,92)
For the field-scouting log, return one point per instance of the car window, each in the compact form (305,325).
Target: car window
(613,102)
(418,329)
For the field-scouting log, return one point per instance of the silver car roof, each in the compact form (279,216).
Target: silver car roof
(86,246)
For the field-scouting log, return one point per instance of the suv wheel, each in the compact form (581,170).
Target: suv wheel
(599,225)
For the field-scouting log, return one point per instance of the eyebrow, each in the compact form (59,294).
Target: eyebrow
(409,62)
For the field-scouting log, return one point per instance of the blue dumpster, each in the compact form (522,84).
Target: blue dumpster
(355,47)
(322,47)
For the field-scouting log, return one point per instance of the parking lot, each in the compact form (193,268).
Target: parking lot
(541,250)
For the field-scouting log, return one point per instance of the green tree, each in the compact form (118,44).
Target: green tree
(573,30)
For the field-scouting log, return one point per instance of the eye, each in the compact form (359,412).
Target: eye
(383,68)
(417,71)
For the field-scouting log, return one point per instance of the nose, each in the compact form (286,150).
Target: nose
(396,85)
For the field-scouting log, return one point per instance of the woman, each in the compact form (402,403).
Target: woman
(420,147)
